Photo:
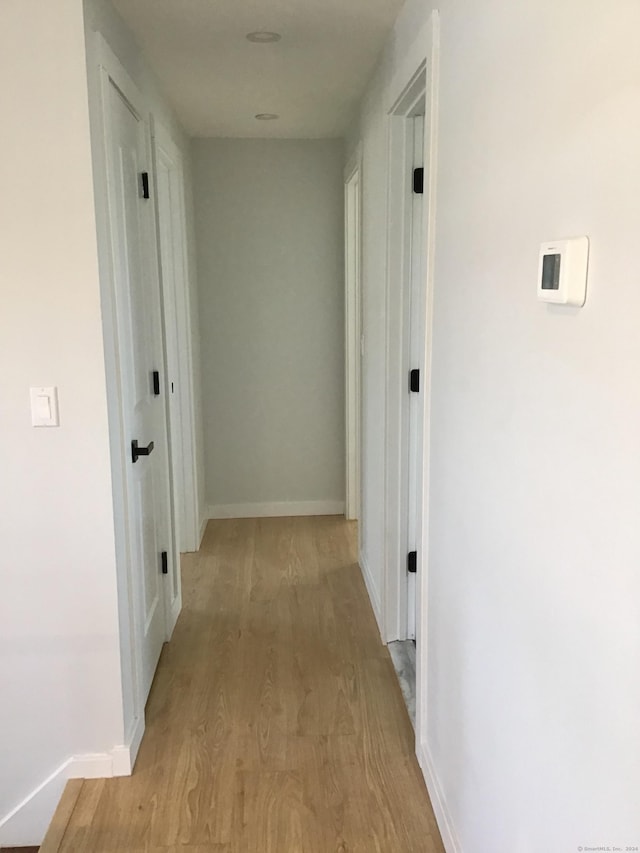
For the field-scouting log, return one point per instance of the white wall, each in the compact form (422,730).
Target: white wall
(61,711)
(533,676)
(269,217)
(59,660)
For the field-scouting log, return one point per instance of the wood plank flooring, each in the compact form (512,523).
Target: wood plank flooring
(275,722)
(19,849)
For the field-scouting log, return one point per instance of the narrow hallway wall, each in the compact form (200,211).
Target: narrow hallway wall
(269,220)
(533,672)
(59,660)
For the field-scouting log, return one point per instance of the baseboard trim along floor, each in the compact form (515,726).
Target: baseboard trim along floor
(283,509)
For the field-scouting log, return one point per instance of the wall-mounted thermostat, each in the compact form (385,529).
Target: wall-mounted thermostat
(562,274)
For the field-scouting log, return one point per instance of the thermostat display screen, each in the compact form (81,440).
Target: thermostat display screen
(563,266)
(551,272)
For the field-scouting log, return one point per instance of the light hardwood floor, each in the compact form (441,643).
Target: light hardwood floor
(275,722)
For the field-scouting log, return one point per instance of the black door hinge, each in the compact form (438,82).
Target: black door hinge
(165,563)
(156,383)
(418,181)
(144,184)
(414,381)
(412,562)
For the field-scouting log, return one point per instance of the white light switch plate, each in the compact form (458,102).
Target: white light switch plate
(44,407)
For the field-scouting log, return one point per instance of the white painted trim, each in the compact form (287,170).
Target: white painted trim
(277,510)
(203,528)
(175,607)
(438,801)
(125,756)
(98,765)
(354,163)
(400,319)
(431,163)
(26,824)
(410,62)
(397,363)
(122,764)
(374,595)
(423,54)
(353,324)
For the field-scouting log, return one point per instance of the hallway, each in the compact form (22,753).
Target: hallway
(275,722)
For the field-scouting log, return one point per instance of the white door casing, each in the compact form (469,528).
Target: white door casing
(416,329)
(430,41)
(402,477)
(353,333)
(417,77)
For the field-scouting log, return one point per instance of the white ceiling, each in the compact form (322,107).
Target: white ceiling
(217,81)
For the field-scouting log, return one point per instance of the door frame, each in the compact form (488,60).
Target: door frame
(177,304)
(104,70)
(399,292)
(353,331)
(419,67)
(414,300)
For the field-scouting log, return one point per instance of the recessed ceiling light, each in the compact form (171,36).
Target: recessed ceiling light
(263,37)
(267,116)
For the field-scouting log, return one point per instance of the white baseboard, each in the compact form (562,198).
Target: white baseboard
(203,528)
(122,761)
(374,596)
(174,614)
(92,765)
(27,823)
(124,757)
(436,794)
(277,510)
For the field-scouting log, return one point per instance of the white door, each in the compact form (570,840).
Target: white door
(139,348)
(416,360)
(177,328)
(178,354)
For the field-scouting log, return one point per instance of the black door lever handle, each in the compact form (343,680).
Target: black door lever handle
(140,451)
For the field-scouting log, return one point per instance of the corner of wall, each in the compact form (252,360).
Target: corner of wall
(26,824)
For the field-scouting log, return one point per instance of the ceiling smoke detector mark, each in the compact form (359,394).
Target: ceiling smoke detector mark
(263,37)
(267,116)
